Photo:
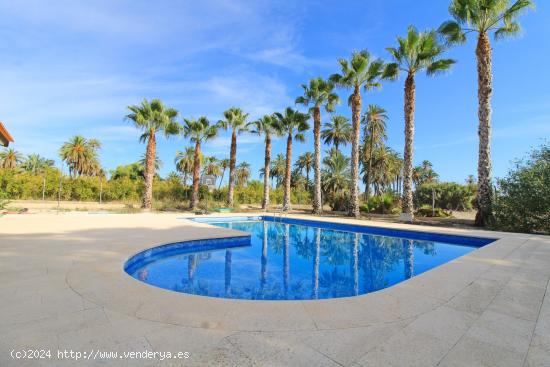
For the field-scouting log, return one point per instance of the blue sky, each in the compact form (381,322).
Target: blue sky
(69,67)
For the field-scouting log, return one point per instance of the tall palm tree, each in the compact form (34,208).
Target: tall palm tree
(224,164)
(484,17)
(243,173)
(305,162)
(375,132)
(80,154)
(184,162)
(294,124)
(10,158)
(337,131)
(416,52)
(318,94)
(360,71)
(268,127)
(236,120)
(152,118)
(198,131)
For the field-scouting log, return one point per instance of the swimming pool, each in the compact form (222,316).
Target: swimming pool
(294,259)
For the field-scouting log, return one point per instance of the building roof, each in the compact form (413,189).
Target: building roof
(5,137)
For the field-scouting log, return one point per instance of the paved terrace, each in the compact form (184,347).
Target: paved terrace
(62,286)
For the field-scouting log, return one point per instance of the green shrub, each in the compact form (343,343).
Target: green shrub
(387,203)
(448,195)
(522,200)
(3,200)
(428,211)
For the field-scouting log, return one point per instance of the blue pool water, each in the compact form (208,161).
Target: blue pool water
(292,259)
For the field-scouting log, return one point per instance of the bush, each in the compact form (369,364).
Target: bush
(522,200)
(386,203)
(3,200)
(448,195)
(428,211)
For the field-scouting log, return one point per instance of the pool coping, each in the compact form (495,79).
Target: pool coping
(102,283)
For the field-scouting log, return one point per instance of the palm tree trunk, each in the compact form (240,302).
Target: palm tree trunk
(232,171)
(150,156)
(286,197)
(191,267)
(408,258)
(286,259)
(356,117)
(355,264)
(317,205)
(485,90)
(367,183)
(263,274)
(316,261)
(267,165)
(228,272)
(196,177)
(410,89)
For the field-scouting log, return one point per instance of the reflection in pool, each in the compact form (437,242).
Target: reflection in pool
(283,261)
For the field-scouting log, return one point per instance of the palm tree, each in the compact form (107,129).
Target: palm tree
(336,178)
(416,52)
(483,17)
(268,127)
(319,93)
(294,124)
(36,164)
(152,118)
(212,167)
(224,164)
(243,173)
(278,169)
(198,131)
(10,158)
(80,154)
(375,132)
(359,71)
(305,162)
(235,119)
(338,131)
(184,162)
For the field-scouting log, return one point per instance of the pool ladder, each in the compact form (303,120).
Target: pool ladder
(278,213)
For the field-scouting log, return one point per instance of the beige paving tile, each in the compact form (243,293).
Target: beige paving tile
(471,352)
(503,331)
(518,300)
(410,349)
(444,323)
(477,296)
(347,345)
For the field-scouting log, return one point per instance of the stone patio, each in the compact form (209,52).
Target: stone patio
(63,287)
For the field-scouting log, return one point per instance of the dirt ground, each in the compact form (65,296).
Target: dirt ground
(458,219)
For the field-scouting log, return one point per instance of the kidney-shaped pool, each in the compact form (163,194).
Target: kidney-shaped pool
(293,259)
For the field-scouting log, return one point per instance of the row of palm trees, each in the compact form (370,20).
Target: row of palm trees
(414,53)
